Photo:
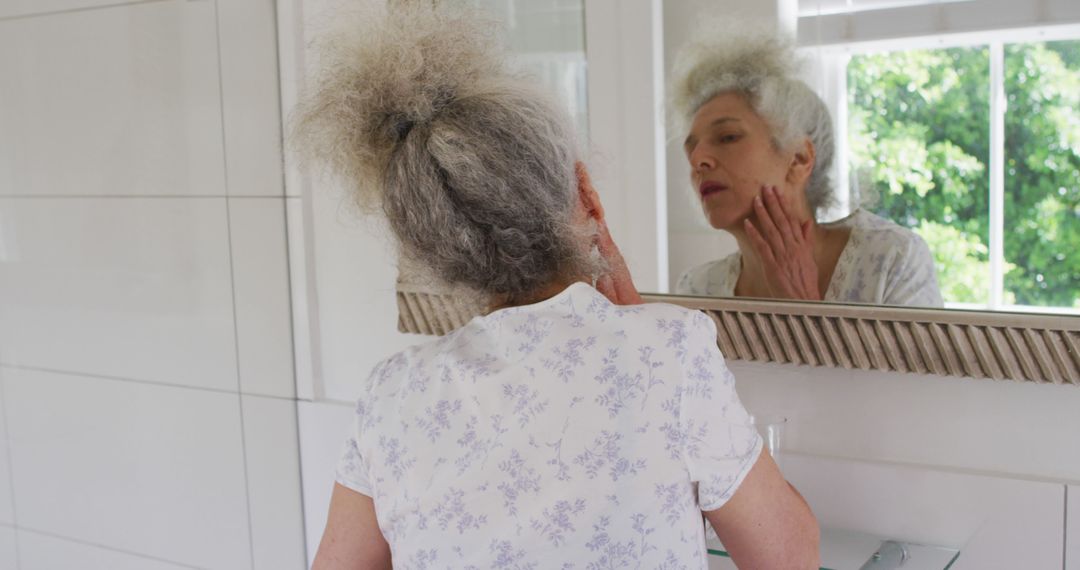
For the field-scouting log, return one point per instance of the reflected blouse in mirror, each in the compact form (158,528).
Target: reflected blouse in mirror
(882,264)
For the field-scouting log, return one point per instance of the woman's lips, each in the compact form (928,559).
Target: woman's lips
(707,188)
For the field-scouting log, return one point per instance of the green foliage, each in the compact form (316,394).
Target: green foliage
(919,134)
(960,260)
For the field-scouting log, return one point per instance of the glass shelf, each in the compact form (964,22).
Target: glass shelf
(849,550)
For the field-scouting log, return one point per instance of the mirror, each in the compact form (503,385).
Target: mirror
(957,149)
(960,138)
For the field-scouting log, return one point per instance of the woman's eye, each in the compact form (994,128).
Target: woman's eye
(728,138)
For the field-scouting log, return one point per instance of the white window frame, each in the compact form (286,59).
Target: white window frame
(831,62)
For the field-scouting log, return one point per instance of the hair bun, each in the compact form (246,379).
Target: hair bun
(381,72)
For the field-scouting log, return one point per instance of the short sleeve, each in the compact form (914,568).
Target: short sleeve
(720,444)
(351,468)
(913,282)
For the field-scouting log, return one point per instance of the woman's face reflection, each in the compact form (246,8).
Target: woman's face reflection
(732,156)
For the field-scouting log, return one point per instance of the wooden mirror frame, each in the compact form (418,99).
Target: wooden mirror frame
(972,344)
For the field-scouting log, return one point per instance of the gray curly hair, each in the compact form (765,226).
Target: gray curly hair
(415,110)
(760,65)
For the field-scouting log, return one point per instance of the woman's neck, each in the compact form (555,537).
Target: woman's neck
(829,243)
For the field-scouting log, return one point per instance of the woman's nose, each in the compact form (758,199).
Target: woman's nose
(701,161)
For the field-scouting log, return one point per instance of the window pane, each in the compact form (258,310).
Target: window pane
(919,134)
(1042,174)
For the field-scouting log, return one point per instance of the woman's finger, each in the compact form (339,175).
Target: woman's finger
(778,211)
(609,251)
(604,286)
(768,227)
(617,284)
(763,248)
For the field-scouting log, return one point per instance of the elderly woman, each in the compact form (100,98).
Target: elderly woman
(760,145)
(568,428)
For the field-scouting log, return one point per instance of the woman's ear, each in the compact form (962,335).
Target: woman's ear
(590,200)
(802,163)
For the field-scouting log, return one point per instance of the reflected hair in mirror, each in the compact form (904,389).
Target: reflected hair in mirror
(759,63)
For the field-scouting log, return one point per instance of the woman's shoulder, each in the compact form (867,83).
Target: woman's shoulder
(713,278)
(866,221)
(876,235)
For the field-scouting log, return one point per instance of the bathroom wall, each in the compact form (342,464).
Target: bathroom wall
(146,370)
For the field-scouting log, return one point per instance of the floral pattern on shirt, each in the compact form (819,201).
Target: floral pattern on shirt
(882,264)
(572,433)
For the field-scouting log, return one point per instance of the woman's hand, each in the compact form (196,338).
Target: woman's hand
(616,284)
(786,248)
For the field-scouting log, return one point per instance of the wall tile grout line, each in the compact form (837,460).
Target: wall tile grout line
(232,275)
(239,388)
(61,12)
(10,464)
(104,547)
(143,381)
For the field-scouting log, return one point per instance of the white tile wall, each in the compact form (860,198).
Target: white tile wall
(323,428)
(136,298)
(13,8)
(112,101)
(1017,428)
(42,552)
(8,553)
(261,282)
(1072,528)
(271,441)
(249,89)
(7,509)
(976,513)
(146,469)
(126,287)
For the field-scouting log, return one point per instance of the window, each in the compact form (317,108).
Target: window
(977,149)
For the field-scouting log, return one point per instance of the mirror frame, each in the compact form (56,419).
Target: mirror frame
(966,344)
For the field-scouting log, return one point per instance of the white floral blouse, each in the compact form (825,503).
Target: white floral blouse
(882,264)
(568,434)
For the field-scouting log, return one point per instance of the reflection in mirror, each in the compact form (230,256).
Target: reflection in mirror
(547,40)
(760,147)
(959,141)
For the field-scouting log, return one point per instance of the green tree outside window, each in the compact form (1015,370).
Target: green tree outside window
(919,133)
